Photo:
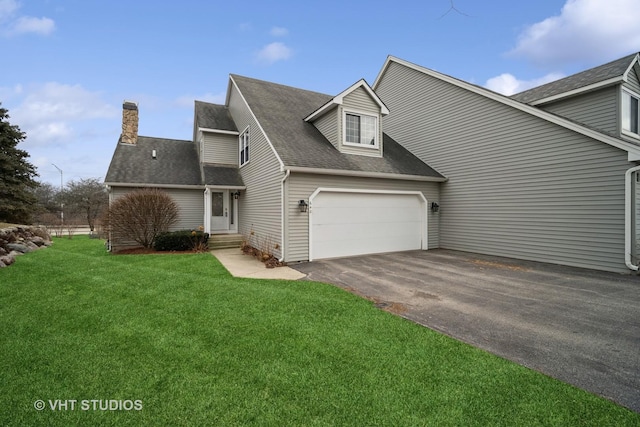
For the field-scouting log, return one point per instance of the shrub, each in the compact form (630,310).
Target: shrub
(141,215)
(183,240)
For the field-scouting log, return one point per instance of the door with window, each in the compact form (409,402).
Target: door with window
(220,210)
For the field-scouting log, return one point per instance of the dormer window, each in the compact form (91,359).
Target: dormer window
(360,129)
(630,112)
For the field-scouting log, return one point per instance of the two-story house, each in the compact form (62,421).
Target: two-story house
(419,160)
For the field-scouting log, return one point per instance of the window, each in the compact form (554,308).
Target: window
(630,114)
(244,147)
(360,129)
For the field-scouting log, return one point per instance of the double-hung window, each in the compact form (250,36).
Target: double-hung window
(630,113)
(360,129)
(244,147)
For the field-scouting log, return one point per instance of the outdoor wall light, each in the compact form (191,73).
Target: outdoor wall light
(236,195)
(303,206)
(435,207)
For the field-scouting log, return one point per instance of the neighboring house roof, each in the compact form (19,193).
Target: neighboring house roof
(176,165)
(280,111)
(632,148)
(604,75)
(214,116)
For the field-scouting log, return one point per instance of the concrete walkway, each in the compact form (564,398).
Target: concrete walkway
(241,265)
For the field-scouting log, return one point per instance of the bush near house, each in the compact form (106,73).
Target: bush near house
(183,240)
(141,215)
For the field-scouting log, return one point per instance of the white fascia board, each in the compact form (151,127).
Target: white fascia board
(364,174)
(147,185)
(534,111)
(599,85)
(275,153)
(226,132)
(225,187)
(339,100)
(625,76)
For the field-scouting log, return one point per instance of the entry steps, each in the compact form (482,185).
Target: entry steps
(225,241)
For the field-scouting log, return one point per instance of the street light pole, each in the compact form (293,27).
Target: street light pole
(61,204)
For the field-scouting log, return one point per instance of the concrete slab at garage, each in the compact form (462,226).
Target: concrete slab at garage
(577,325)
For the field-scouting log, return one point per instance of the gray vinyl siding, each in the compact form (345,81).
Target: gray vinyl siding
(328,125)
(518,185)
(596,109)
(190,204)
(220,148)
(359,101)
(301,186)
(259,206)
(633,81)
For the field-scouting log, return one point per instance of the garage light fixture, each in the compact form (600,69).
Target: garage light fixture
(236,195)
(435,207)
(303,206)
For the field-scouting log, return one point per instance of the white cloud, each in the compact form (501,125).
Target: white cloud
(7,9)
(27,24)
(274,52)
(279,32)
(187,100)
(585,30)
(53,112)
(508,84)
(14,26)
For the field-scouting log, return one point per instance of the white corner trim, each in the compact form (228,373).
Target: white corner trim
(625,76)
(226,132)
(266,137)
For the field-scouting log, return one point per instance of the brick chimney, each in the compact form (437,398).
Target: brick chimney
(129,123)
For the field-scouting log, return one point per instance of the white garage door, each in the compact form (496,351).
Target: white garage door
(351,223)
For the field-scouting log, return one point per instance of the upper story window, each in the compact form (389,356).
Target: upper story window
(630,113)
(360,129)
(244,146)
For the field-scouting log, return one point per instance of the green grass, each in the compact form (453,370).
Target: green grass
(199,347)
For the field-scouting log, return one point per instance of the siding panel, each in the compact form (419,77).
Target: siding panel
(301,186)
(259,207)
(518,186)
(596,109)
(220,148)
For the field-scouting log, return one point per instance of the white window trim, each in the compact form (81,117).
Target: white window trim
(241,146)
(622,130)
(346,111)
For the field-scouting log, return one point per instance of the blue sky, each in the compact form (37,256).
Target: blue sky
(69,64)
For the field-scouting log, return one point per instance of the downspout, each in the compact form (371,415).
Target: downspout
(628,217)
(283,206)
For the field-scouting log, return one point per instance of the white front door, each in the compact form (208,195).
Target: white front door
(219,210)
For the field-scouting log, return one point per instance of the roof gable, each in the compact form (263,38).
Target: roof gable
(339,100)
(614,72)
(631,148)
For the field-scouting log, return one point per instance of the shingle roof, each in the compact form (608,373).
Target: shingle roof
(222,175)
(580,80)
(214,116)
(281,109)
(176,163)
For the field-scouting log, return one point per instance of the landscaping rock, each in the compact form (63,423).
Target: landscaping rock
(18,240)
(19,247)
(37,240)
(7,260)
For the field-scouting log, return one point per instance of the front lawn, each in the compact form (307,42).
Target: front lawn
(179,337)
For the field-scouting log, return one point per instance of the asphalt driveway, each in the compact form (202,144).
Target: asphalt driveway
(579,326)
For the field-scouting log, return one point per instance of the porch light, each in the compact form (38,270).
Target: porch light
(435,207)
(236,195)
(303,206)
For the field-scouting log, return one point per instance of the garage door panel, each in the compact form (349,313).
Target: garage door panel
(347,224)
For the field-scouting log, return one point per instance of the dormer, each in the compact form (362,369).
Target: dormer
(215,134)
(352,120)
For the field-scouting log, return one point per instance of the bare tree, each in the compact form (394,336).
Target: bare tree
(86,197)
(141,215)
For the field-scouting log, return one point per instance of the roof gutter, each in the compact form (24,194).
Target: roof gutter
(365,174)
(628,218)
(151,185)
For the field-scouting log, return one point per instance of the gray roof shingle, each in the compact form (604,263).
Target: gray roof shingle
(176,163)
(281,109)
(576,81)
(228,176)
(214,116)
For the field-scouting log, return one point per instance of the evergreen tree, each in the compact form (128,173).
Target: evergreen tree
(16,174)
